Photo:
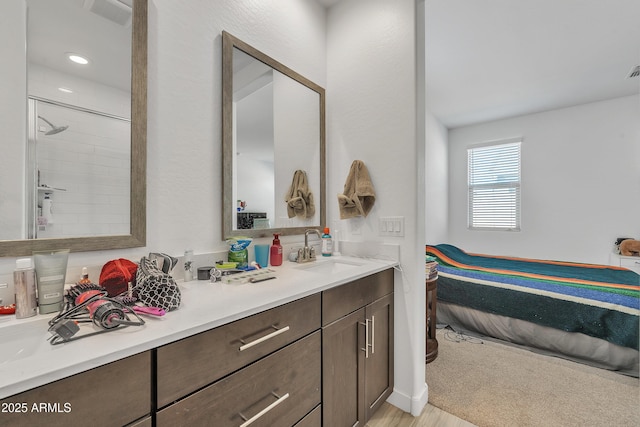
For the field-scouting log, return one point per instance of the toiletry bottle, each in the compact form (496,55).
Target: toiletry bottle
(47,209)
(24,285)
(327,243)
(84,279)
(188,265)
(275,254)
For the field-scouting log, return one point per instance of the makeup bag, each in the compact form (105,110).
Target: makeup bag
(155,287)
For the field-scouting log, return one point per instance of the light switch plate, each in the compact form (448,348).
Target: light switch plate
(392,226)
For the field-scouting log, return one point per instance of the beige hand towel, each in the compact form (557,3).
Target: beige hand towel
(299,198)
(359,196)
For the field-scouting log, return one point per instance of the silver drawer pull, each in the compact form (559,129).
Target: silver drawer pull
(373,334)
(264,411)
(366,338)
(264,338)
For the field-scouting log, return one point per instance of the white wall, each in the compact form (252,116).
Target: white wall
(436,178)
(296,133)
(256,187)
(184,153)
(13,120)
(372,116)
(580,182)
(363,53)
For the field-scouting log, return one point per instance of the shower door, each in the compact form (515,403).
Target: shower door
(77,173)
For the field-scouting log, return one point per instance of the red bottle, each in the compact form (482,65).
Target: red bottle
(275,255)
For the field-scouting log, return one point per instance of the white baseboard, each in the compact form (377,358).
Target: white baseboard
(413,405)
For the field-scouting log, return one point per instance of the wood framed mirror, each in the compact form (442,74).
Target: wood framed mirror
(136,235)
(273,127)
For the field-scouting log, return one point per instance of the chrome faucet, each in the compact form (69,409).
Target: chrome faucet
(308,253)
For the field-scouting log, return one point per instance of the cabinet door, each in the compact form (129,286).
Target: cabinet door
(379,364)
(343,371)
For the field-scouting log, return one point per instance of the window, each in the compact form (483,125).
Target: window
(494,186)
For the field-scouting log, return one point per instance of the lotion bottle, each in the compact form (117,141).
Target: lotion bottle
(275,255)
(24,285)
(327,243)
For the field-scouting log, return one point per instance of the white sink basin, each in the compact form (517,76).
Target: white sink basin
(21,340)
(329,266)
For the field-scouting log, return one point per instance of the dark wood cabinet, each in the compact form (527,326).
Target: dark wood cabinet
(379,366)
(431,320)
(312,419)
(323,360)
(343,371)
(357,350)
(263,369)
(278,390)
(192,363)
(115,394)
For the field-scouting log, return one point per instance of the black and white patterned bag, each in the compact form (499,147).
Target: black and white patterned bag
(155,288)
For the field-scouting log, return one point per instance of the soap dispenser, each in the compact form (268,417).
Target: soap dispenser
(275,255)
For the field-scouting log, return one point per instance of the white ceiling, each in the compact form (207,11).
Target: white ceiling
(491,59)
(56,27)
(486,59)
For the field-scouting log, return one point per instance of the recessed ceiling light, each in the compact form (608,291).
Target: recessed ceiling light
(65,90)
(78,59)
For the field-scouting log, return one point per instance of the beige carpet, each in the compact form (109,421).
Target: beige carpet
(492,384)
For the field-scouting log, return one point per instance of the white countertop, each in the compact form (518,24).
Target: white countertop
(28,360)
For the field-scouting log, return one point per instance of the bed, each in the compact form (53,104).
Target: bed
(583,312)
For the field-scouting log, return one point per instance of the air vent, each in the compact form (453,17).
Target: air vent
(635,72)
(114,10)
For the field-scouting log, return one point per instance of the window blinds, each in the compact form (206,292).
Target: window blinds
(494,186)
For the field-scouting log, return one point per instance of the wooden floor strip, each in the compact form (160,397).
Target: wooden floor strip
(390,416)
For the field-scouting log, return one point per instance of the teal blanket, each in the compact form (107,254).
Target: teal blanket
(596,300)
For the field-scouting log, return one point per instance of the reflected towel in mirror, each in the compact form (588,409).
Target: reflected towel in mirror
(358,196)
(299,198)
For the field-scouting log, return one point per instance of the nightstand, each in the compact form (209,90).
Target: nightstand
(630,262)
(432,301)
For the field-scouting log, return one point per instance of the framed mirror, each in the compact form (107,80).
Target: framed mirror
(273,145)
(55,120)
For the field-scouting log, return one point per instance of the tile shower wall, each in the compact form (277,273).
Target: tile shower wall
(90,160)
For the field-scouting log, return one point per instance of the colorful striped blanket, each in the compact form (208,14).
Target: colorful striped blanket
(596,300)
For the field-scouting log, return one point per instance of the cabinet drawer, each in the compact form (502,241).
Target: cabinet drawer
(111,395)
(278,390)
(313,419)
(192,363)
(147,422)
(342,300)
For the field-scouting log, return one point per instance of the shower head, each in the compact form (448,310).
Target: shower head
(54,129)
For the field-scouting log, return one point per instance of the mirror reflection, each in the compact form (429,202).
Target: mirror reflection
(81,163)
(80,168)
(274,146)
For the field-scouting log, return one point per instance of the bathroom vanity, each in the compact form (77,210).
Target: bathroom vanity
(312,347)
